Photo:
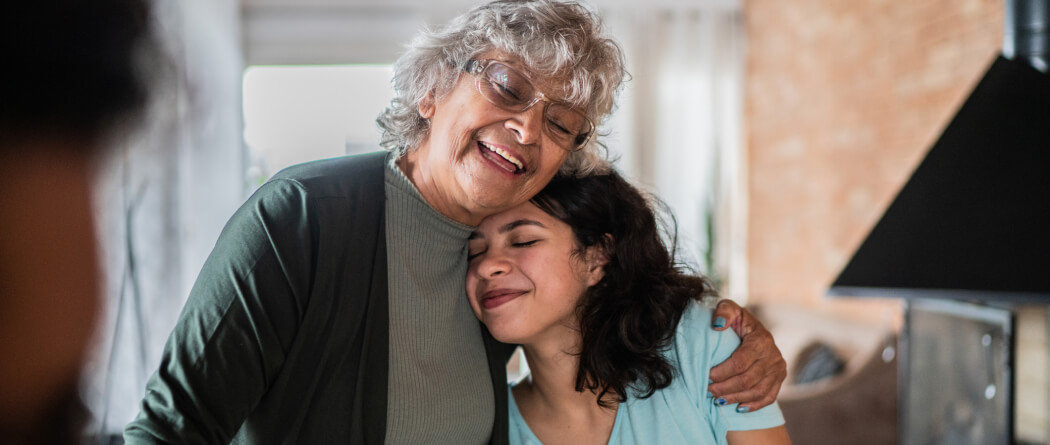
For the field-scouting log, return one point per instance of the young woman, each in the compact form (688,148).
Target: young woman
(617,342)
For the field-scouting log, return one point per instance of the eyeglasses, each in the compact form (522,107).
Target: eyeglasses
(511,90)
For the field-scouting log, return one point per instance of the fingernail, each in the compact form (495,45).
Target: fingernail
(720,401)
(709,381)
(742,409)
(709,394)
(720,322)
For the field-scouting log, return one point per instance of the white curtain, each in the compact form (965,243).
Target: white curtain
(678,129)
(161,197)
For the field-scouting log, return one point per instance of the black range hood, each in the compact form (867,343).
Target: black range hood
(973,221)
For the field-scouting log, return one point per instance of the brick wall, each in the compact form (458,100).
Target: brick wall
(843,100)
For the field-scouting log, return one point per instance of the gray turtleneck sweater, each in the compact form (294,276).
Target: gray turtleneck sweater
(438,389)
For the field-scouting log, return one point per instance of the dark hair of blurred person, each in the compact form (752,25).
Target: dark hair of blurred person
(72,76)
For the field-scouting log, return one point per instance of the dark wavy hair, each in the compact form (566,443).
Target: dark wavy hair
(627,320)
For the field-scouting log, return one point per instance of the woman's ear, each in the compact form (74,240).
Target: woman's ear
(597,258)
(426,106)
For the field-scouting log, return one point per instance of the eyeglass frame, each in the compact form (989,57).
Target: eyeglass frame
(478,66)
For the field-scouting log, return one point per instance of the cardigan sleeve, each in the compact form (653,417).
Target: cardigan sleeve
(234,332)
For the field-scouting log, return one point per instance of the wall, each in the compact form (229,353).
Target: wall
(843,101)
(1032,404)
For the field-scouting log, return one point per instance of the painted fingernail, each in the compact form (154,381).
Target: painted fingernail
(720,401)
(742,409)
(709,381)
(709,394)
(720,322)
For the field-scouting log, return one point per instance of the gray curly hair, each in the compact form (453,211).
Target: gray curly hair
(553,38)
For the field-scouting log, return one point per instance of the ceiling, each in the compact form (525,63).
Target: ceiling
(461,4)
(372,31)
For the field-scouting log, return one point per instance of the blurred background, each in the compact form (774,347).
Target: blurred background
(778,133)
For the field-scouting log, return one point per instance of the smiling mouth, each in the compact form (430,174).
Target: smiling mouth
(502,158)
(493,299)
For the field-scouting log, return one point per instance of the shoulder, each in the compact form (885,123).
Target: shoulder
(303,198)
(704,344)
(341,176)
(697,348)
(706,349)
(298,190)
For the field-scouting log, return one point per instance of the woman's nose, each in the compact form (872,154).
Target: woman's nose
(493,264)
(527,125)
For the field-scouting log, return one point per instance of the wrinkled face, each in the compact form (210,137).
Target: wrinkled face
(526,277)
(482,159)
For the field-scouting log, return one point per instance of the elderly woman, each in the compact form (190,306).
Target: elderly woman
(332,309)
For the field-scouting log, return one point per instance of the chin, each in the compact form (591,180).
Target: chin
(504,333)
(504,337)
(495,199)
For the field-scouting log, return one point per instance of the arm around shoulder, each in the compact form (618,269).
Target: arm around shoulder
(754,372)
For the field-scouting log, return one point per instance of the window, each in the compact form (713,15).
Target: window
(294,114)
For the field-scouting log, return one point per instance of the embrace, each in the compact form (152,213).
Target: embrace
(341,303)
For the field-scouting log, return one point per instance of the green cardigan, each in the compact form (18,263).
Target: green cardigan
(284,338)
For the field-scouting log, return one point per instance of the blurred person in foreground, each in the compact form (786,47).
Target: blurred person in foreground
(331,309)
(73,76)
(617,341)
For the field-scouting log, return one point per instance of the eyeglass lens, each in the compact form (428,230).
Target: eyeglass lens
(511,90)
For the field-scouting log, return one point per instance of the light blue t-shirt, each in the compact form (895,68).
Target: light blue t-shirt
(683,413)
